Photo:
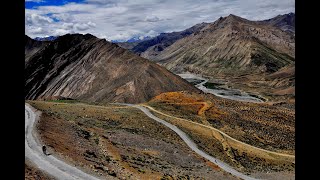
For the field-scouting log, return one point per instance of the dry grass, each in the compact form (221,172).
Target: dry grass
(265,125)
(119,142)
(259,125)
(211,139)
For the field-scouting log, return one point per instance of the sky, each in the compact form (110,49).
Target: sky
(121,20)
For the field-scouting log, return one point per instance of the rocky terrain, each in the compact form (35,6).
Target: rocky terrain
(87,68)
(263,125)
(32,46)
(269,121)
(286,22)
(242,52)
(231,43)
(119,143)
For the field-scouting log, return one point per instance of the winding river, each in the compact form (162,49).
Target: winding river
(218,89)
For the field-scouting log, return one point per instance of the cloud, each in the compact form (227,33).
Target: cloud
(83,26)
(59,32)
(152,19)
(63,17)
(37,30)
(152,33)
(124,19)
(36,19)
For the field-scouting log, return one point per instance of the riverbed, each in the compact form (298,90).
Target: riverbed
(219,88)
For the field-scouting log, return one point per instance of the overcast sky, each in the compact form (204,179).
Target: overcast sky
(124,19)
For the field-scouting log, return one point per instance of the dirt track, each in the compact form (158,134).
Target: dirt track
(49,164)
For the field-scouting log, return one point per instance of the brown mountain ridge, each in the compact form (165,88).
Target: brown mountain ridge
(231,43)
(87,68)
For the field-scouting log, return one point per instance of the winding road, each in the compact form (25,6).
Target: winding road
(292,157)
(49,164)
(191,144)
(62,170)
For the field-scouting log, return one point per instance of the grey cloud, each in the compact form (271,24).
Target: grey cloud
(83,26)
(152,19)
(122,19)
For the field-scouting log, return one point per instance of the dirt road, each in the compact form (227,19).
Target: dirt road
(49,164)
(192,145)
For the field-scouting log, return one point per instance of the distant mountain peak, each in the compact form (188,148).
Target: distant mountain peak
(47,38)
(286,22)
(233,17)
(132,39)
(291,14)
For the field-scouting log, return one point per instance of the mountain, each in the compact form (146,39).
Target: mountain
(138,39)
(87,68)
(49,38)
(32,46)
(133,39)
(152,47)
(232,47)
(130,43)
(285,22)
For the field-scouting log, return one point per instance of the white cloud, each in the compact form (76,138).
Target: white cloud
(123,19)
(37,30)
(63,17)
(152,33)
(36,19)
(59,32)
(83,26)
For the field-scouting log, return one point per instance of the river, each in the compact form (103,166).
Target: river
(219,89)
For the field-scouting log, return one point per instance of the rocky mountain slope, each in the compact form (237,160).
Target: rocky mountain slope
(32,46)
(231,43)
(286,22)
(86,68)
(233,47)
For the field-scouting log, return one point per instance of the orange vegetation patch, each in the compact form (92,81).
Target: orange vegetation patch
(177,97)
(214,112)
(190,102)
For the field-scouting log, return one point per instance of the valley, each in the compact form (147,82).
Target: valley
(252,56)
(213,101)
